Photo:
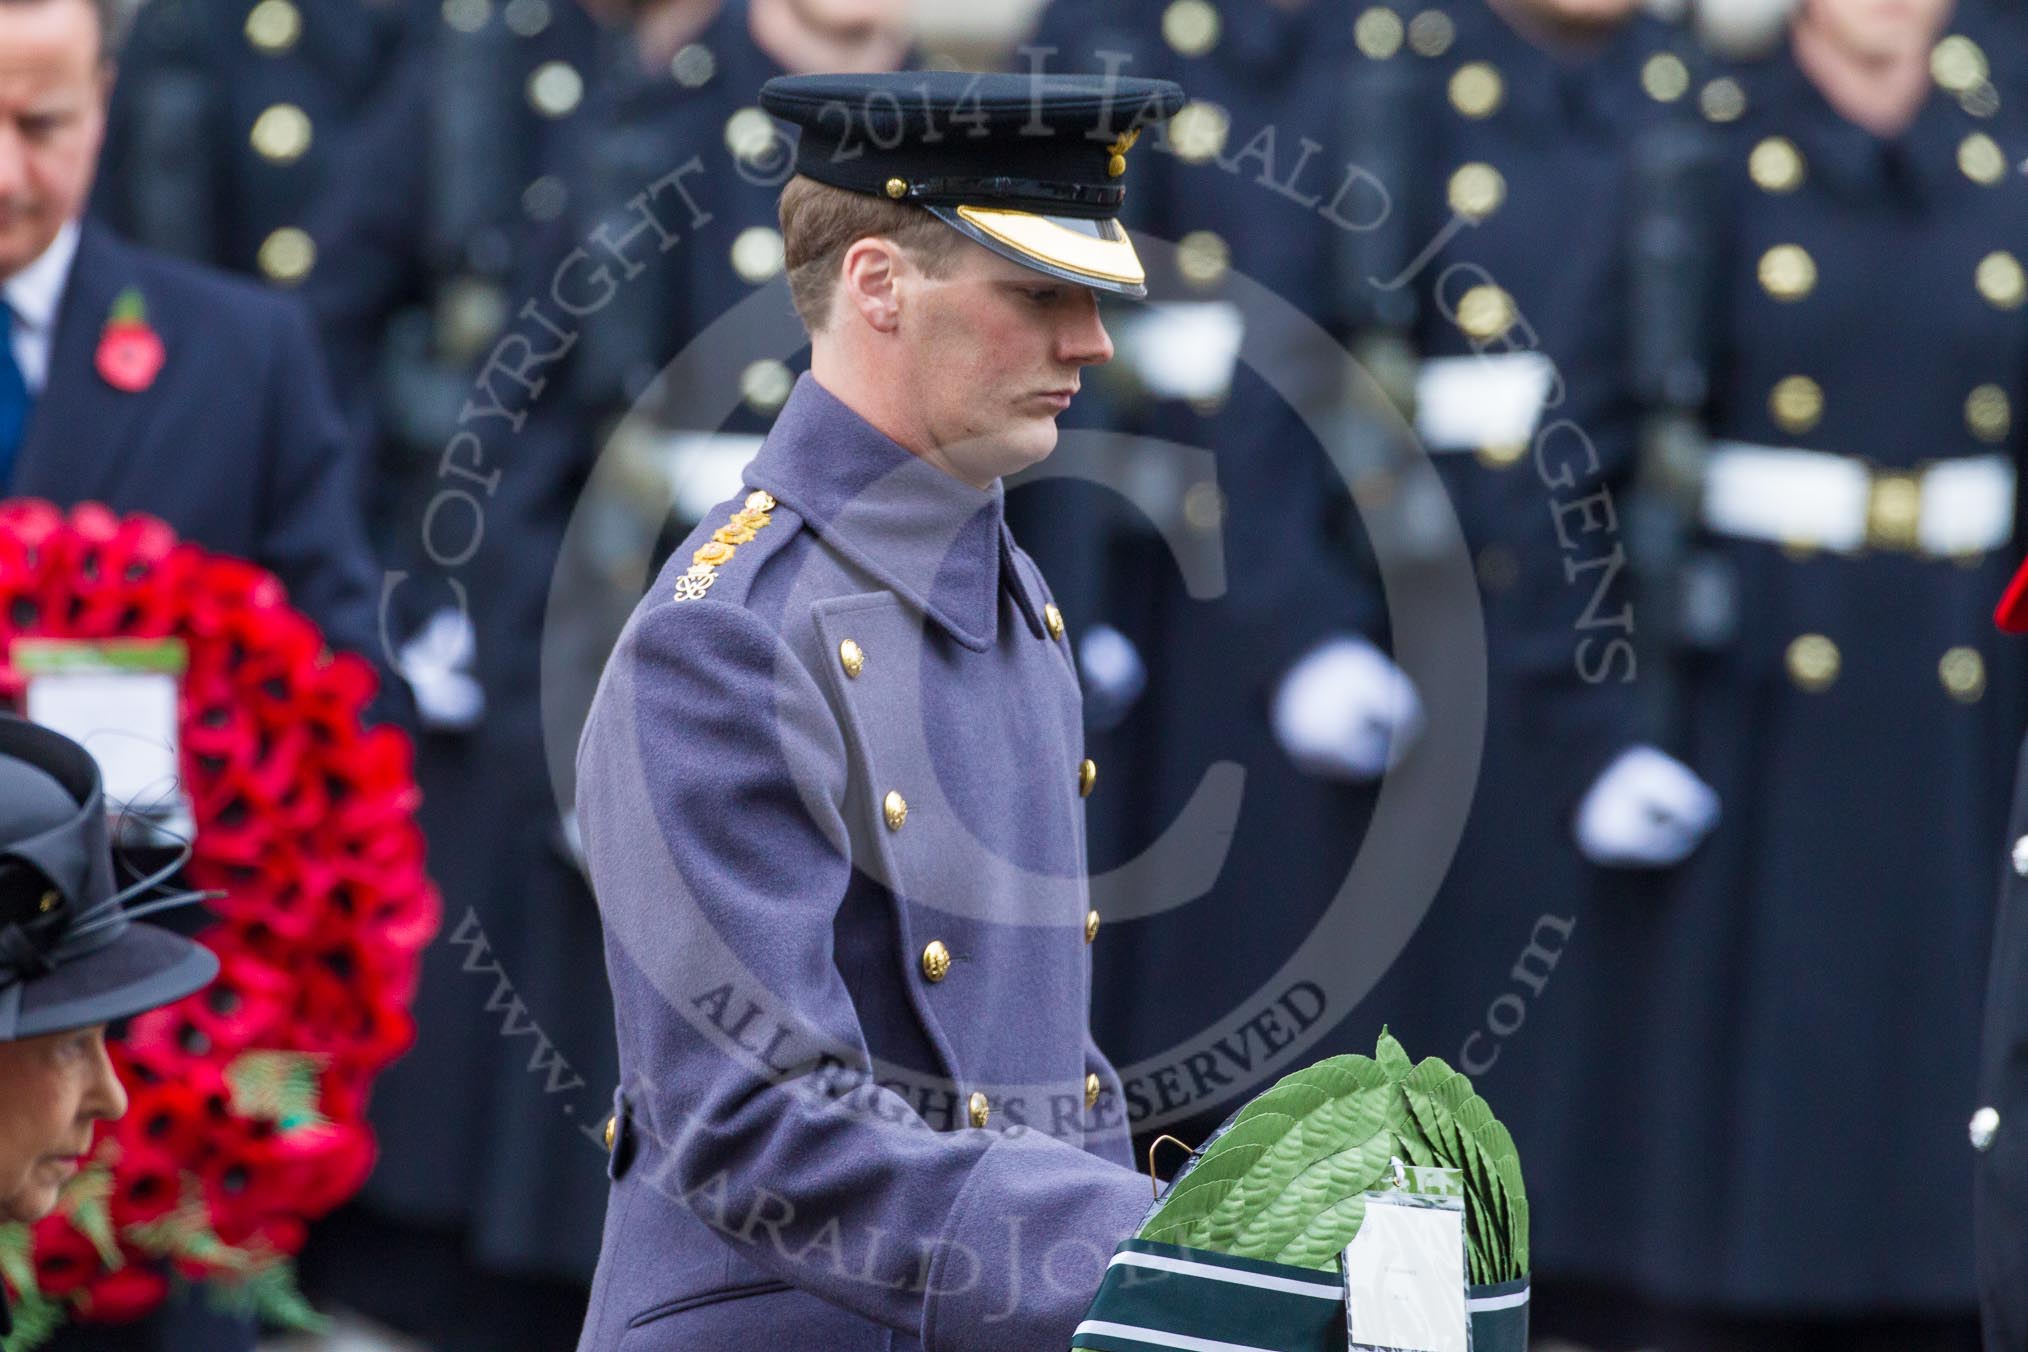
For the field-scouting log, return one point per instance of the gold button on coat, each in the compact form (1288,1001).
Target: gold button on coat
(1796,403)
(979,1108)
(1485,312)
(281,134)
(1987,413)
(287,255)
(1091,924)
(2000,280)
(894,808)
(1476,191)
(1476,89)
(1776,165)
(1963,673)
(851,658)
(1787,272)
(1087,777)
(936,961)
(1665,77)
(273,26)
(1190,27)
(1813,663)
(612,1131)
(1980,158)
(1091,1090)
(1052,619)
(1377,32)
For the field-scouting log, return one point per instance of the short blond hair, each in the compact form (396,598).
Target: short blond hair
(820,222)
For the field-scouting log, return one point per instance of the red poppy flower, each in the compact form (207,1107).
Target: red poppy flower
(124,1295)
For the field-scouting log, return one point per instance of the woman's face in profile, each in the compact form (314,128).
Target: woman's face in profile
(52,1089)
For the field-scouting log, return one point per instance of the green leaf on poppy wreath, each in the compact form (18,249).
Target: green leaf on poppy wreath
(1224,1167)
(1335,1125)
(283,1087)
(1292,1101)
(1189,1214)
(1326,1235)
(1317,1189)
(1392,1057)
(87,1204)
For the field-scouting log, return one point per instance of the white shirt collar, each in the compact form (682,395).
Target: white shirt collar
(35,292)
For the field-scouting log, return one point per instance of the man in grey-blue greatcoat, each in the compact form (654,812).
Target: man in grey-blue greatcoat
(832,784)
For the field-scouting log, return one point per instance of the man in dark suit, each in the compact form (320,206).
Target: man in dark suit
(159,386)
(148,384)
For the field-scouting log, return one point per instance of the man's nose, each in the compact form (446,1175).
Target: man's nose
(1085,341)
(13,161)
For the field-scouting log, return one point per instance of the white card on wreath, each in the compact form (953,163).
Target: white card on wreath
(118,699)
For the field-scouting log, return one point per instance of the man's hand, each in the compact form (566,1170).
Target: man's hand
(1346,711)
(1648,810)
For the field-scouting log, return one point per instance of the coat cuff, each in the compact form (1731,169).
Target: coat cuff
(1018,1264)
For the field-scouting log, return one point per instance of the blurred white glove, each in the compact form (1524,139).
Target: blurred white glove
(437,664)
(1346,711)
(1114,674)
(1648,810)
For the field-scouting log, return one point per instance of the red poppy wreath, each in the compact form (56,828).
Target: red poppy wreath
(247,1113)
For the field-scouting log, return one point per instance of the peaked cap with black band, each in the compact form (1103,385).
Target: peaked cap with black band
(1032,167)
(70,953)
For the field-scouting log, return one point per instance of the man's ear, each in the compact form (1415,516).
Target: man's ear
(869,282)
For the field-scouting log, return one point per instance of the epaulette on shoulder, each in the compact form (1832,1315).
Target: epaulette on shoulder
(744,528)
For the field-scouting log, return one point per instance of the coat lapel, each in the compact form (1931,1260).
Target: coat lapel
(83,430)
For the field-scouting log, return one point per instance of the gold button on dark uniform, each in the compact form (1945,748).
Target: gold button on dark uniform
(1087,777)
(1091,924)
(1776,165)
(1787,272)
(979,1108)
(281,134)
(1485,312)
(273,26)
(612,1132)
(1796,402)
(936,961)
(894,808)
(1476,89)
(1052,618)
(1813,663)
(1091,1090)
(851,658)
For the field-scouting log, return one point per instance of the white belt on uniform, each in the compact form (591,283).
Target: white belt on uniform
(1813,499)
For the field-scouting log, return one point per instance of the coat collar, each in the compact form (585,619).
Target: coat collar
(938,542)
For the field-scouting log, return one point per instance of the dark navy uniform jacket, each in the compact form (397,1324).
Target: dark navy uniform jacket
(1801,1010)
(225,121)
(831,791)
(236,444)
(1997,1127)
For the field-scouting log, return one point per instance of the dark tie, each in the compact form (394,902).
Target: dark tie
(15,400)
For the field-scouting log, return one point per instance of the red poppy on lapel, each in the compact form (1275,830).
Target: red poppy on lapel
(130,353)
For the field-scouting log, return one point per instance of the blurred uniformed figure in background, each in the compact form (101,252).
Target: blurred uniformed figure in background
(512,136)
(1996,1128)
(1493,313)
(478,1227)
(227,118)
(1798,1012)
